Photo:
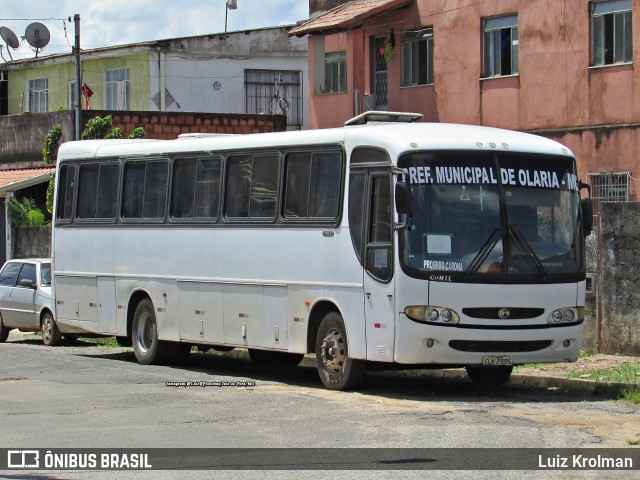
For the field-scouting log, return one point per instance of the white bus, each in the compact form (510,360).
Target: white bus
(387,241)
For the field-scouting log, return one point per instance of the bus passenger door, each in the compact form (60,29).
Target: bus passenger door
(379,292)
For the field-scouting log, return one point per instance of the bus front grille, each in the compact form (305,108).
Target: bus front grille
(501,347)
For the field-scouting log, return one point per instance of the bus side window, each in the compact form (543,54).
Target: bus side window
(66,192)
(98,191)
(144,189)
(356,210)
(251,186)
(313,185)
(380,233)
(196,188)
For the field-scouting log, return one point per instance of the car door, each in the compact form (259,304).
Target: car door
(8,278)
(23,297)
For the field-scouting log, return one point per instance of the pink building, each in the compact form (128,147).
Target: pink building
(563,69)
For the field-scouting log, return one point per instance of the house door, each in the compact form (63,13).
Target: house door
(379,74)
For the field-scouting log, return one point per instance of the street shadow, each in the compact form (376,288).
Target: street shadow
(417,385)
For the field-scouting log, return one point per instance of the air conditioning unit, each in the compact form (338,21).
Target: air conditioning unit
(591,284)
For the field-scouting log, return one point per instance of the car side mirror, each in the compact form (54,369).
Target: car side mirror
(25,282)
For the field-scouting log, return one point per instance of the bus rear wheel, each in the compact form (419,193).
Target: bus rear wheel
(144,335)
(337,370)
(488,377)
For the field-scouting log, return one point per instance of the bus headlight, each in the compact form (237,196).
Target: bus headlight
(429,314)
(566,315)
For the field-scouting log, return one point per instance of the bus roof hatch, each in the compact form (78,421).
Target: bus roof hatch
(379,116)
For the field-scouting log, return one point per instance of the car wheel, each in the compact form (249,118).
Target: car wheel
(337,370)
(50,334)
(144,336)
(4,332)
(488,377)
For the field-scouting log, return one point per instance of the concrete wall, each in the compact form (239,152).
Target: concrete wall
(31,242)
(618,287)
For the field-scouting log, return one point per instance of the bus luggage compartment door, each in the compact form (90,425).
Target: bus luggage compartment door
(107,305)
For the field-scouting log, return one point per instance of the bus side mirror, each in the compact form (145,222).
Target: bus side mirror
(587,215)
(403,198)
(586,210)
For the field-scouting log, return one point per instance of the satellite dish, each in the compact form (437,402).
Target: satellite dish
(37,36)
(9,38)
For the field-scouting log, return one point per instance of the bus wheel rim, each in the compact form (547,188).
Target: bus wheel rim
(333,351)
(145,332)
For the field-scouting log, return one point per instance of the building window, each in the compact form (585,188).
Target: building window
(612,33)
(335,72)
(276,92)
(610,187)
(417,57)
(500,44)
(39,95)
(116,88)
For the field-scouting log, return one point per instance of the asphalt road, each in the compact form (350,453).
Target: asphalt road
(83,396)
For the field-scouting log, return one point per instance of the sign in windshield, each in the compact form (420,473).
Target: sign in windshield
(498,217)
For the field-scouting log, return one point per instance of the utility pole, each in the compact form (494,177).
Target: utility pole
(76,50)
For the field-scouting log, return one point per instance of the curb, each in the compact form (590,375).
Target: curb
(591,387)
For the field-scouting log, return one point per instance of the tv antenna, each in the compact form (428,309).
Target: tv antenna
(10,39)
(37,36)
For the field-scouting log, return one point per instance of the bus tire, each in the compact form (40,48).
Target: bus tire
(488,377)
(272,358)
(337,370)
(144,335)
(50,334)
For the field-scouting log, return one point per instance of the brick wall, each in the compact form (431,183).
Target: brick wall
(22,136)
(168,125)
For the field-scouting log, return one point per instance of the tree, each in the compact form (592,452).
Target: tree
(25,214)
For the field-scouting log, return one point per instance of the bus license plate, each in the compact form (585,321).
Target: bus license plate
(497,360)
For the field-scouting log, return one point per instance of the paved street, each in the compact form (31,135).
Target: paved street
(86,396)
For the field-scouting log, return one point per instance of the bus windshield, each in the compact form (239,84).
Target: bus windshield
(492,218)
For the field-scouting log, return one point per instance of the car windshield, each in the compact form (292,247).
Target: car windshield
(45,274)
(492,217)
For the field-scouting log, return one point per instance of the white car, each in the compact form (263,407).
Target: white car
(26,300)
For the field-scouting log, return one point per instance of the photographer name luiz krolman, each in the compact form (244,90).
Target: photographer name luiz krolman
(584,462)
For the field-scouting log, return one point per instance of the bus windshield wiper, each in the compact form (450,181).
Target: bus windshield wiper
(484,252)
(522,243)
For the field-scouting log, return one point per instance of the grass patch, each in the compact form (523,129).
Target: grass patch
(623,374)
(109,342)
(632,395)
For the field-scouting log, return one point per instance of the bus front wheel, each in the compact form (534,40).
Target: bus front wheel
(144,335)
(337,370)
(488,377)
